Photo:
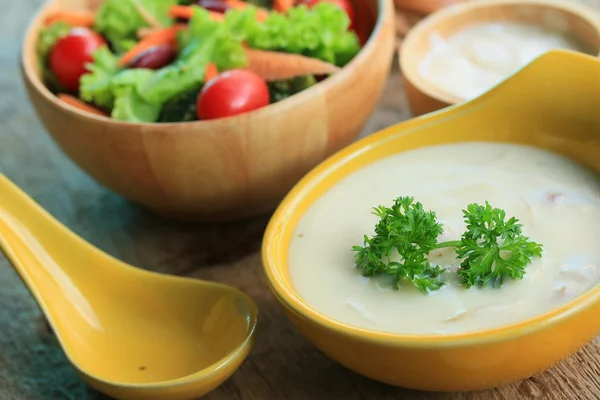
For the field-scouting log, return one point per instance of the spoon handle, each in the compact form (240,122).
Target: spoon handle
(48,257)
(26,225)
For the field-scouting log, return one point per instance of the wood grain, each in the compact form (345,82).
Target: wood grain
(282,364)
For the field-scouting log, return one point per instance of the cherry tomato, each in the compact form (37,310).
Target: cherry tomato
(230,93)
(345,5)
(70,54)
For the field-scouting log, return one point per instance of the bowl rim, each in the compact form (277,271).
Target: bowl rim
(283,289)
(580,10)
(28,68)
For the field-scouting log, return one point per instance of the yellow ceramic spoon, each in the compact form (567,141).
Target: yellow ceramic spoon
(129,333)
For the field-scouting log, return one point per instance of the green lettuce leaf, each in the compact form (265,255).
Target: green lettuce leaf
(96,85)
(46,40)
(211,41)
(113,88)
(124,45)
(172,80)
(129,105)
(319,32)
(119,20)
(48,37)
(135,77)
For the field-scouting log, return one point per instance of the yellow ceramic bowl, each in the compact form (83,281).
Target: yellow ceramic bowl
(551,104)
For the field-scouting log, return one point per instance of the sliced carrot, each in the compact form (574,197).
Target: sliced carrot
(276,66)
(159,37)
(211,72)
(283,5)
(183,12)
(73,18)
(261,13)
(187,12)
(75,102)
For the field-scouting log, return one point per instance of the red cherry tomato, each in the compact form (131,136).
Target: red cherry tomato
(345,5)
(70,54)
(232,92)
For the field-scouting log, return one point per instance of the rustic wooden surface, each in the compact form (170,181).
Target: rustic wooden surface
(282,364)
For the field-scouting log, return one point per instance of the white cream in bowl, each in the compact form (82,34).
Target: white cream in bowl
(556,200)
(478,57)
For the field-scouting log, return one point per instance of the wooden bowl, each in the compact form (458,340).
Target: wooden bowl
(221,169)
(423,97)
(424,6)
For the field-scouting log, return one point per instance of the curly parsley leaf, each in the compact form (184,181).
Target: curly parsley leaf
(492,248)
(404,236)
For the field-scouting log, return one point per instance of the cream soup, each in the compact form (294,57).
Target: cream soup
(479,57)
(556,200)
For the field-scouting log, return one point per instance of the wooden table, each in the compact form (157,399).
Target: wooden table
(282,364)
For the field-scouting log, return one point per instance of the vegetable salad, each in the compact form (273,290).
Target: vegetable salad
(176,61)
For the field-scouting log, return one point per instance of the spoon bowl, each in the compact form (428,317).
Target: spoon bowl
(130,333)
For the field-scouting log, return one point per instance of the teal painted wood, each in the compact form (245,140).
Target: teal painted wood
(282,364)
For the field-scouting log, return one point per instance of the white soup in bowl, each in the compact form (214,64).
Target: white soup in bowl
(556,201)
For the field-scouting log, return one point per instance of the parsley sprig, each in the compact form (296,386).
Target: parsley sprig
(490,250)
(410,231)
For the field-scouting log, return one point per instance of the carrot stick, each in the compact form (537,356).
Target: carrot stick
(75,102)
(183,12)
(275,66)
(187,12)
(283,5)
(166,36)
(73,18)
(211,72)
(261,13)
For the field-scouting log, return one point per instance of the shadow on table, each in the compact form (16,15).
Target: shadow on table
(145,240)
